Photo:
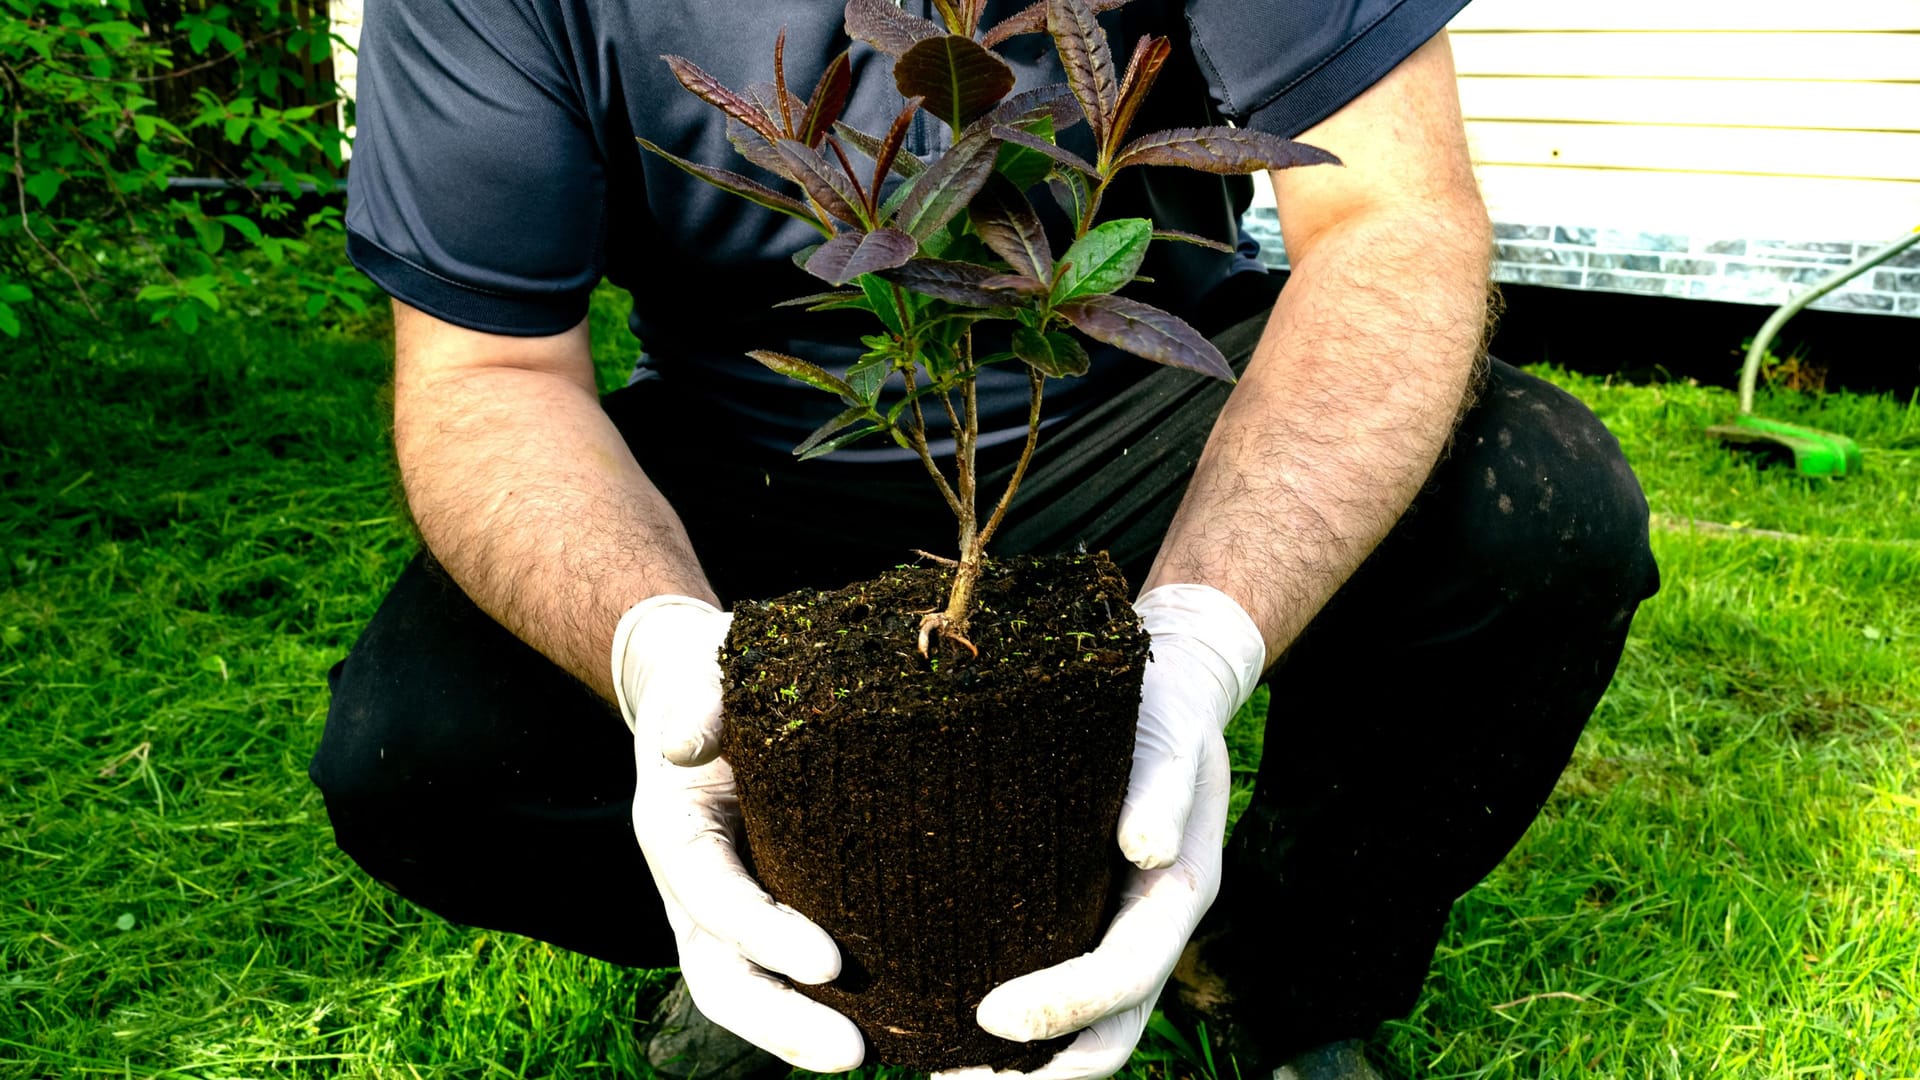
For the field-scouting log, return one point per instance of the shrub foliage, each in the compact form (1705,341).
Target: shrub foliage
(94,124)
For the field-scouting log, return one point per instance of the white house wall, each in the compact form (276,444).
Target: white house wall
(1723,149)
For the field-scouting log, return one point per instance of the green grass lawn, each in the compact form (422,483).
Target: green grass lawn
(192,531)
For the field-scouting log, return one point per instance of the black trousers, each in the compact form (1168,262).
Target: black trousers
(1415,730)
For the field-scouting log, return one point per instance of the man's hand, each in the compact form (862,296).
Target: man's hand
(734,941)
(1207,657)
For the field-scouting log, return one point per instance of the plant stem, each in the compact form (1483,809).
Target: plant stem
(917,435)
(966,431)
(1035,381)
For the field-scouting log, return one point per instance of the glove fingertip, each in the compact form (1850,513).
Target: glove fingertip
(1006,1017)
(849,1053)
(812,957)
(1149,846)
(695,751)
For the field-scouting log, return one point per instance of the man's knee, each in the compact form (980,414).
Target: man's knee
(370,771)
(1548,492)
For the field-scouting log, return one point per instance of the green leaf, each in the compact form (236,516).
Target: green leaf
(9,322)
(959,80)
(867,375)
(800,370)
(1024,166)
(853,415)
(885,304)
(1055,354)
(906,400)
(1103,260)
(315,303)
(15,294)
(186,317)
(211,235)
(44,186)
(242,226)
(842,298)
(1045,148)
(1146,332)
(200,35)
(833,444)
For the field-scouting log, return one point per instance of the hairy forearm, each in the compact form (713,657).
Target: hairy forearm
(522,488)
(1346,405)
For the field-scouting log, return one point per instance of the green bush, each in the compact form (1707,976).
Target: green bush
(91,239)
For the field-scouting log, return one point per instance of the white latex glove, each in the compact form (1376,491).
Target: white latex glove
(732,936)
(1207,659)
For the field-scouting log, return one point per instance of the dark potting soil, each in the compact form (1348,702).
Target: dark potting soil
(949,822)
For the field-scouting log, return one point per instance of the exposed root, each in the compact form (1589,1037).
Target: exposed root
(936,622)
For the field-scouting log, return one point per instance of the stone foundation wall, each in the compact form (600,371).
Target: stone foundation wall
(1701,267)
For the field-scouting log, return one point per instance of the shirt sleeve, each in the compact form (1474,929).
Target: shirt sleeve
(476,191)
(1282,66)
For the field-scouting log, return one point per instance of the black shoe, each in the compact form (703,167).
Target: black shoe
(1342,1060)
(685,1045)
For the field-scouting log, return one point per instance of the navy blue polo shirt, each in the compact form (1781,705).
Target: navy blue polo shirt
(495,177)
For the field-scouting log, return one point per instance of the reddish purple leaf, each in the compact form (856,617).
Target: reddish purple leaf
(954,17)
(781,96)
(804,371)
(1032,19)
(851,254)
(1089,64)
(1146,332)
(888,149)
(740,185)
(708,89)
(751,146)
(1035,142)
(829,97)
(1193,238)
(1019,283)
(947,186)
(959,79)
(889,152)
(884,26)
(974,9)
(1148,56)
(1007,223)
(1220,150)
(956,282)
(765,96)
(824,182)
(1056,102)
